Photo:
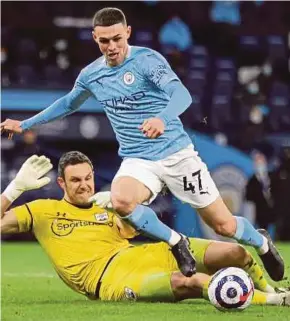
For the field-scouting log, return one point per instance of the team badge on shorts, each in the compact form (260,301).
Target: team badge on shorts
(130,294)
(128,78)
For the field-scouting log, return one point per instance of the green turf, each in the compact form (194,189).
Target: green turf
(31,291)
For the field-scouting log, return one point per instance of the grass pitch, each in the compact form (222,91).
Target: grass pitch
(31,291)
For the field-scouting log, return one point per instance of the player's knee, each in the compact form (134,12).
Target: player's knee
(226,228)
(238,255)
(123,204)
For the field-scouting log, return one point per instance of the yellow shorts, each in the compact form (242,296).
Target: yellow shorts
(127,272)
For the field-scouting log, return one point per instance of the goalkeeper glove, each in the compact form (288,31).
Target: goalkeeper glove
(29,177)
(102,199)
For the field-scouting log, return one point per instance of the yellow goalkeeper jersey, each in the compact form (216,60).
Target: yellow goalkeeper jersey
(78,241)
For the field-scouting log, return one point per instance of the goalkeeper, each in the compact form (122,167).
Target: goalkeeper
(89,248)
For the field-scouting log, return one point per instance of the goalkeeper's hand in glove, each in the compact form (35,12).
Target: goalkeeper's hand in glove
(29,177)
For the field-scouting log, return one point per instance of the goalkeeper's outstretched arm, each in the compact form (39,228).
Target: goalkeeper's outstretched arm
(30,176)
(9,223)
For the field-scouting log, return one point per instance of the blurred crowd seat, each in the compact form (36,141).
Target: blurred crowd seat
(279,106)
(52,57)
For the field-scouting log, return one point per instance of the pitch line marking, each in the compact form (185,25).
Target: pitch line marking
(28,275)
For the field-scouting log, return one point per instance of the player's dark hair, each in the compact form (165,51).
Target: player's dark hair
(72,158)
(108,17)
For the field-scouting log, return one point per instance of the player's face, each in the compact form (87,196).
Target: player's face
(78,183)
(113,42)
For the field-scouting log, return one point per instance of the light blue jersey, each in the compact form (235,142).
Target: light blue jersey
(130,93)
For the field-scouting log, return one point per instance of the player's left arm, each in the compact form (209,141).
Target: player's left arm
(163,77)
(180,100)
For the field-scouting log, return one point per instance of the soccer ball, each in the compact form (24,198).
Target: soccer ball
(231,289)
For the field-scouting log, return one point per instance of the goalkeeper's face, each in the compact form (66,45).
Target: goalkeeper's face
(78,183)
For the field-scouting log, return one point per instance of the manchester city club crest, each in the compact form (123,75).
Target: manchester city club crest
(129,78)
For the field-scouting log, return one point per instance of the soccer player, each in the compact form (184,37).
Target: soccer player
(90,251)
(143,98)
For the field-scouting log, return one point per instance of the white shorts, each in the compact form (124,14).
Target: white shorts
(184,173)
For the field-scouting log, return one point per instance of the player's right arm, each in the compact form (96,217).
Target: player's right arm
(30,176)
(62,107)
(9,223)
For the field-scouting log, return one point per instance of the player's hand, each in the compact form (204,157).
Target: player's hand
(11,126)
(102,199)
(152,127)
(29,177)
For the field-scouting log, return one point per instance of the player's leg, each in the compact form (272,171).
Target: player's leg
(218,255)
(217,216)
(135,274)
(212,256)
(144,273)
(278,299)
(197,287)
(195,186)
(127,195)
(140,275)
(137,183)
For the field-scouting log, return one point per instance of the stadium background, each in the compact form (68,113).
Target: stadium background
(232,56)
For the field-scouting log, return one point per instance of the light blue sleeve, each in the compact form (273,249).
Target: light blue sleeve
(157,70)
(180,100)
(62,107)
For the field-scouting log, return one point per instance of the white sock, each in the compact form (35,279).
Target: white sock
(265,247)
(174,238)
(269,289)
(275,298)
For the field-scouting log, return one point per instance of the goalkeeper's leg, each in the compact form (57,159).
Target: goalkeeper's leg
(259,297)
(168,287)
(222,254)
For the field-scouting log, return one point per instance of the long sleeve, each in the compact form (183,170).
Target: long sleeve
(62,107)
(158,71)
(180,100)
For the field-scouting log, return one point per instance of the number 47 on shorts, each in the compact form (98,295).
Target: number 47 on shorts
(187,186)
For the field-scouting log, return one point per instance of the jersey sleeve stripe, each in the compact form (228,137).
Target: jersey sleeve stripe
(31,224)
